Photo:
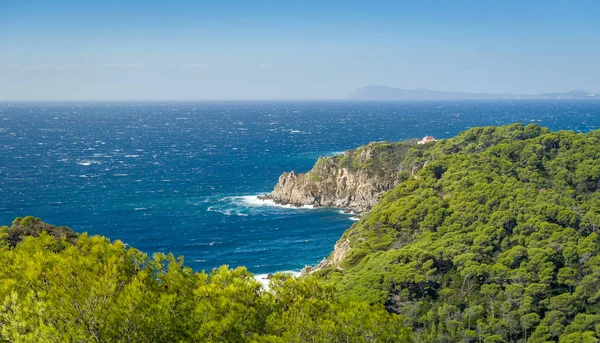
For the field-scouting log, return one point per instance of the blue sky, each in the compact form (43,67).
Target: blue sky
(130,50)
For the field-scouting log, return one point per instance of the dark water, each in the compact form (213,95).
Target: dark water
(182,177)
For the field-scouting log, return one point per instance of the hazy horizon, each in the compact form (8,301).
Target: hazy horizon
(235,51)
(283,99)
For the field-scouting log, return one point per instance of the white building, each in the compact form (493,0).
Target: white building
(427,139)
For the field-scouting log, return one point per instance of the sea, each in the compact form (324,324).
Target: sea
(183,177)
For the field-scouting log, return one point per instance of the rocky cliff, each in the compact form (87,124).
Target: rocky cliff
(357,178)
(379,161)
(353,180)
(500,226)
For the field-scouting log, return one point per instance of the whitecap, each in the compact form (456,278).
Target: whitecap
(264,278)
(243,206)
(226,211)
(88,162)
(254,200)
(199,244)
(334,153)
(250,250)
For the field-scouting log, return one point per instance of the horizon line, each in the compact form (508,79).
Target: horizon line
(288,99)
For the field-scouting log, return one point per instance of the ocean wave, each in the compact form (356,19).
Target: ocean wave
(351,214)
(200,244)
(226,211)
(250,250)
(334,153)
(264,278)
(254,200)
(245,205)
(88,162)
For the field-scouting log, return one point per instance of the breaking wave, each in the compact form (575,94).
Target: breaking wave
(245,205)
(264,278)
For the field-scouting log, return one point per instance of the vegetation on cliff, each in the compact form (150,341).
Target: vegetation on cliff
(494,240)
(353,180)
(357,178)
(56,286)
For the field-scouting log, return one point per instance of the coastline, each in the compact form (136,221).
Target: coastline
(265,277)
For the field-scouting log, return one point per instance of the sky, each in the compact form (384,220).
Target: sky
(254,49)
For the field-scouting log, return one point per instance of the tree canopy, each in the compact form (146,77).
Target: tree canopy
(56,286)
(494,240)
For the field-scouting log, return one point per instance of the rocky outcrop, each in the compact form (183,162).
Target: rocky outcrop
(386,165)
(340,250)
(353,180)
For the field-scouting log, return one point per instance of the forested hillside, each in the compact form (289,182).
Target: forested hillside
(56,286)
(353,180)
(495,240)
(357,178)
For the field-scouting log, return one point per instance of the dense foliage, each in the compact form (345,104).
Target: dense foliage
(59,287)
(494,240)
(382,158)
(408,157)
(493,236)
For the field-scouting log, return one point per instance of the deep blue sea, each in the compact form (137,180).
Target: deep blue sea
(183,177)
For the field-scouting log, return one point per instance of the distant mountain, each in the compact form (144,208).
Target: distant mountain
(375,92)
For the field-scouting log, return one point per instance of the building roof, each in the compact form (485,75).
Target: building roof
(427,139)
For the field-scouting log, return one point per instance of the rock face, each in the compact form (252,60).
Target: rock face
(340,250)
(376,167)
(354,180)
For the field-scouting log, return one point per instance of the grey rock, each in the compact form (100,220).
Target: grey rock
(353,181)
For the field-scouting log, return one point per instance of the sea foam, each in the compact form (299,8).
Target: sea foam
(264,278)
(245,205)
(255,200)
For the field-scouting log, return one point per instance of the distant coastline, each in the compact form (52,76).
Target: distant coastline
(377,92)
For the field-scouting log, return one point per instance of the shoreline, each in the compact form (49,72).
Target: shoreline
(264,278)
(268,200)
